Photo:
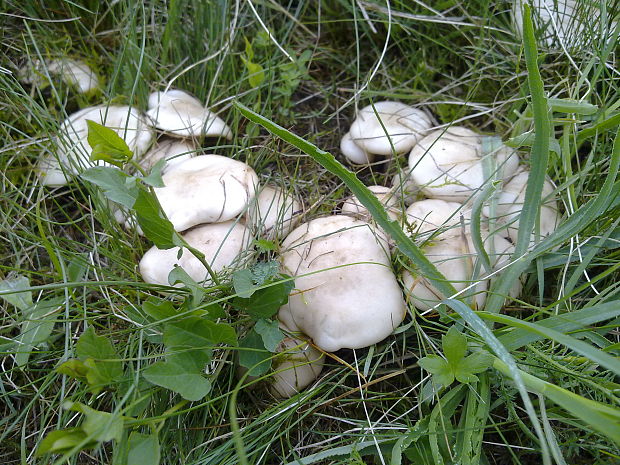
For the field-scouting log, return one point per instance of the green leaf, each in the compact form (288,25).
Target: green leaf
(13,291)
(64,440)
(101,359)
(243,283)
(114,184)
(144,449)
(253,355)
(566,105)
(99,426)
(74,368)
(257,74)
(270,333)
(159,310)
(36,328)
(265,302)
(156,227)
(454,345)
(249,52)
(107,145)
(154,178)
(179,275)
(172,376)
(199,333)
(465,371)
(265,245)
(263,272)
(440,369)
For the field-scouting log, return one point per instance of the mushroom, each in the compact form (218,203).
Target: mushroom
(510,203)
(274,212)
(346,295)
(354,207)
(174,151)
(180,114)
(367,137)
(75,73)
(448,164)
(50,171)
(404,187)
(221,243)
(206,189)
(297,365)
(430,216)
(73,149)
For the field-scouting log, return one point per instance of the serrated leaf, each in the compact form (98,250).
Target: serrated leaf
(61,441)
(190,386)
(13,292)
(107,145)
(253,355)
(100,426)
(100,356)
(476,362)
(156,227)
(144,449)
(113,183)
(265,245)
(270,333)
(154,178)
(454,344)
(36,328)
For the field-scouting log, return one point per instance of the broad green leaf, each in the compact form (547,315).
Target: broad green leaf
(13,291)
(454,345)
(61,441)
(156,227)
(264,245)
(179,275)
(189,360)
(243,283)
(190,386)
(100,356)
(263,272)
(99,426)
(74,368)
(113,183)
(198,333)
(159,310)
(252,354)
(36,328)
(270,333)
(466,370)
(249,51)
(144,449)
(256,73)
(107,145)
(439,368)
(154,178)
(265,302)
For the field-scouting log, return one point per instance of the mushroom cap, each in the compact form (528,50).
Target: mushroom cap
(222,244)
(405,125)
(447,163)
(430,215)
(73,147)
(454,257)
(353,152)
(510,203)
(50,172)
(354,207)
(180,114)
(404,187)
(174,151)
(351,299)
(74,72)
(298,365)
(206,189)
(274,212)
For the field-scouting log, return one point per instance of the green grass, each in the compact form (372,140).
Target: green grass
(369,405)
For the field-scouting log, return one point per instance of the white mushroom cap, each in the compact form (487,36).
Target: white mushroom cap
(510,203)
(50,172)
(174,151)
(180,114)
(454,257)
(404,187)
(353,152)
(274,212)
(222,243)
(430,215)
(75,73)
(447,163)
(351,299)
(405,125)
(297,365)
(206,189)
(73,149)
(354,207)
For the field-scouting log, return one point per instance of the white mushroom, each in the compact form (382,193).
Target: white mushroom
(274,212)
(180,114)
(510,203)
(297,365)
(448,164)
(346,295)
(222,243)
(75,73)
(50,171)
(72,147)
(352,206)
(174,151)
(435,215)
(206,189)
(403,124)
(404,187)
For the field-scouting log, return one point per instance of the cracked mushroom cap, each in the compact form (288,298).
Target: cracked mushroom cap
(351,298)
(297,365)
(73,149)
(206,189)
(274,212)
(222,243)
(180,114)
(405,125)
(447,164)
